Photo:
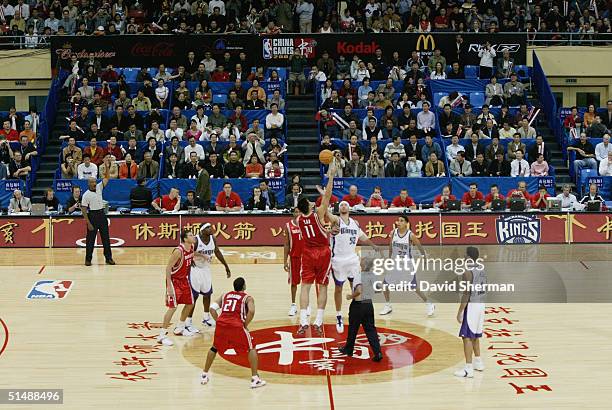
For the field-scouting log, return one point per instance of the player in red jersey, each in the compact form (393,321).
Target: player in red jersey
(233,312)
(292,255)
(178,288)
(316,257)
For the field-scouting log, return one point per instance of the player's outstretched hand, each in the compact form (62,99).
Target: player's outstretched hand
(287,265)
(228,272)
(349,296)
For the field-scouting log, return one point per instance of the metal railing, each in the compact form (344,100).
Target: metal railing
(24,42)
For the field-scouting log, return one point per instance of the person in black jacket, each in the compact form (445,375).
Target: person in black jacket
(214,167)
(141,196)
(192,200)
(267,194)
(256,201)
(480,167)
(395,168)
(499,167)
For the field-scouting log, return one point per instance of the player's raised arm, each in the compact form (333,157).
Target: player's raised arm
(323,209)
(219,256)
(251,311)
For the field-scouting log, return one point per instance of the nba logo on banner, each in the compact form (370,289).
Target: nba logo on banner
(50,289)
(518,229)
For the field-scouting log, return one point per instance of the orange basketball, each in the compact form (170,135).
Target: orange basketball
(326,157)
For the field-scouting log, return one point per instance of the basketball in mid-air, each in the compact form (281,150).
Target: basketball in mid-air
(326,156)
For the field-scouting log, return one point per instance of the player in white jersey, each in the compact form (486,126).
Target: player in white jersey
(403,243)
(345,261)
(200,277)
(471,316)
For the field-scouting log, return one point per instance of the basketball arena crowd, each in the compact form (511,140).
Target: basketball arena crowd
(224,117)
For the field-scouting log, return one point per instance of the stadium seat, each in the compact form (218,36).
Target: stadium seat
(437,98)
(585,174)
(477,99)
(471,71)
(219,99)
(522,72)
(130,74)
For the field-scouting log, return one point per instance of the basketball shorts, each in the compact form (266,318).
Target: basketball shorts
(232,337)
(201,281)
(182,293)
(316,265)
(295,270)
(345,268)
(473,321)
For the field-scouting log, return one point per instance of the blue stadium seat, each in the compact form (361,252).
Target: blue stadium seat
(585,174)
(477,99)
(219,99)
(437,98)
(523,72)
(130,74)
(471,71)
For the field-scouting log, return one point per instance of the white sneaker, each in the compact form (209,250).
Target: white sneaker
(192,329)
(308,311)
(293,309)
(187,332)
(464,373)
(387,309)
(210,322)
(479,365)
(431,308)
(178,331)
(339,324)
(165,340)
(257,382)
(204,379)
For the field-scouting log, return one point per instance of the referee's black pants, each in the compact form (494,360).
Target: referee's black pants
(361,313)
(99,222)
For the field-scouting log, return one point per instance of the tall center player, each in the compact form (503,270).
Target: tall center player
(345,261)
(201,276)
(316,257)
(292,253)
(233,312)
(178,289)
(402,244)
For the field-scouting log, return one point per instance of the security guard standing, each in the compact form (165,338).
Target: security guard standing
(92,206)
(361,313)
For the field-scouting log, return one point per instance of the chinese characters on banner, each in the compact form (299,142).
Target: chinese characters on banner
(512,353)
(267,230)
(138,354)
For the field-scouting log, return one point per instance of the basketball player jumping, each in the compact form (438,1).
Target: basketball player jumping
(292,255)
(233,312)
(178,289)
(402,244)
(345,261)
(316,257)
(471,317)
(201,278)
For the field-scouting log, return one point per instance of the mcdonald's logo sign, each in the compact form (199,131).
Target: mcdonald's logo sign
(425,40)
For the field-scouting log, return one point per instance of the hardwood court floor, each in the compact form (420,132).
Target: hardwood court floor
(76,343)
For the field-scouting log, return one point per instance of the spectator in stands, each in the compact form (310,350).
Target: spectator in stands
(109,164)
(256,201)
(128,169)
(514,91)
(441,200)
(506,132)
(86,90)
(254,169)
(448,117)
(414,166)
(538,200)
(606,117)
(119,120)
(192,201)
(526,131)
(294,196)
(75,152)
(486,54)
(403,200)
(593,195)
(353,198)
(376,200)
(434,167)
(494,92)
(274,123)
(276,99)
(585,155)
(153,149)
(480,166)
(520,192)
(429,147)
(27,149)
(568,200)
(589,115)
(468,119)
(355,168)
(539,168)
(472,195)
(267,195)
(297,79)
(161,94)
(459,167)
(141,196)
(438,73)
(394,167)
(572,120)
(73,203)
(395,146)
(499,167)
(519,167)
(213,166)
(597,129)
(521,114)
(87,169)
(515,145)
(426,120)
(123,100)
(234,168)
(375,167)
(168,203)
(603,148)
(19,203)
(148,168)
(456,72)
(488,131)
(95,152)
(173,168)
(605,166)
(492,196)
(6,153)
(68,168)
(505,65)
(8,132)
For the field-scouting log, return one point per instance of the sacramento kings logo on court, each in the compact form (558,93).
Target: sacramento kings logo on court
(518,229)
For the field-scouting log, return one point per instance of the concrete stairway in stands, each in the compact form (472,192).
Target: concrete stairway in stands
(49,161)
(303,142)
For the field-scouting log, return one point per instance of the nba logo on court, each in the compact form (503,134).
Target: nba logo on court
(50,289)
(518,229)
